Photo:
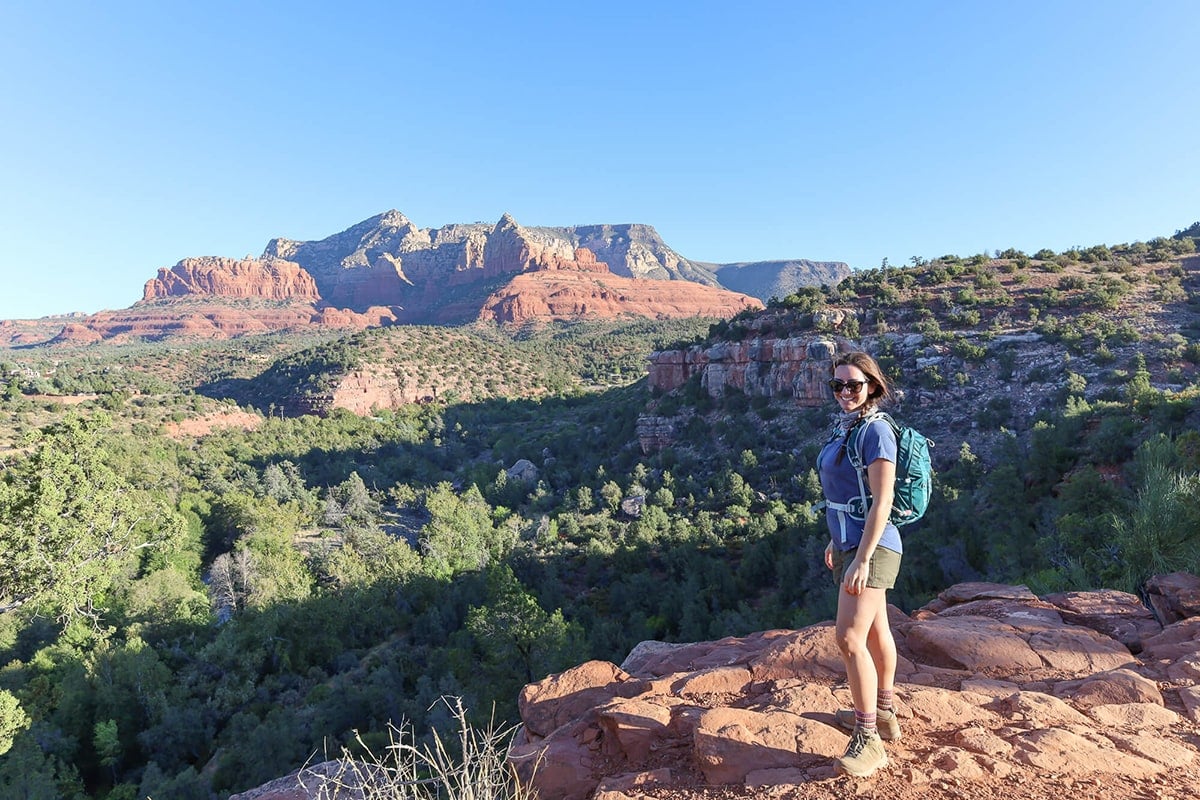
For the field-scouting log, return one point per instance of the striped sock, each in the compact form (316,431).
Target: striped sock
(865,722)
(884,699)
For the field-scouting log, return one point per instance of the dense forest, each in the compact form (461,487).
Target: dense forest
(187,615)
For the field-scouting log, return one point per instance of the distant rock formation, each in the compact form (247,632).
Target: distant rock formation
(212,319)
(767,279)
(445,276)
(596,293)
(266,278)
(386,270)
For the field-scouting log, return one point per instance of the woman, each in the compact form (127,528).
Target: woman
(864,555)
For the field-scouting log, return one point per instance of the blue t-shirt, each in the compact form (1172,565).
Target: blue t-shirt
(838,479)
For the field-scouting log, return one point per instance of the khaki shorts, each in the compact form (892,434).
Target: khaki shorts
(881,572)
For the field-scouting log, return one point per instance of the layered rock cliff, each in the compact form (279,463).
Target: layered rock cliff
(793,367)
(387,260)
(767,279)
(266,278)
(593,292)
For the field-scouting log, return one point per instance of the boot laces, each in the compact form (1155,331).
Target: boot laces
(858,743)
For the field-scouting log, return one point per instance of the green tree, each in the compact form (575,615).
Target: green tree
(107,742)
(69,524)
(357,502)
(513,632)
(460,534)
(13,720)
(611,494)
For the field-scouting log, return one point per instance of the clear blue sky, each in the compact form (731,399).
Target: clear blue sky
(135,134)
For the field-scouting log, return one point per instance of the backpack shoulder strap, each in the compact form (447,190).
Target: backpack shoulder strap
(854,437)
(854,452)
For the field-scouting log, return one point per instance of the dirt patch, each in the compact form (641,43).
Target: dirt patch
(62,399)
(204,425)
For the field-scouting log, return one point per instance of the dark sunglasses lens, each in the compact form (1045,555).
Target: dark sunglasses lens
(853,386)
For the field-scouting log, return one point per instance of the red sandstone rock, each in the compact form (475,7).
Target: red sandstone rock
(756,709)
(1117,614)
(1174,597)
(797,368)
(1116,686)
(975,644)
(560,294)
(214,319)
(269,279)
(730,743)
(545,705)
(552,281)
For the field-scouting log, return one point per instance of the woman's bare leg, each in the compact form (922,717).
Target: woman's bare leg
(882,646)
(856,623)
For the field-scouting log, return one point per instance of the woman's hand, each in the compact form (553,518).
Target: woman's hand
(829,555)
(855,578)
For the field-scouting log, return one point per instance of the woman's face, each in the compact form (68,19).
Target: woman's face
(850,377)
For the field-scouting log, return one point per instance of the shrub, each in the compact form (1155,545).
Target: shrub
(968,351)
(472,766)
(1159,536)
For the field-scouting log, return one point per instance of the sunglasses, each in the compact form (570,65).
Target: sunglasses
(854,386)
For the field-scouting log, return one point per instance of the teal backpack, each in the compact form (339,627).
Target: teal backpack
(914,473)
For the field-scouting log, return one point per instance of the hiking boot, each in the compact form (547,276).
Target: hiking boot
(889,726)
(863,756)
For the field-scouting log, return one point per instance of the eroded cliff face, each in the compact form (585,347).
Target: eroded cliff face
(795,367)
(562,293)
(262,278)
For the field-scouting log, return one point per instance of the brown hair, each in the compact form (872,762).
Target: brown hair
(880,390)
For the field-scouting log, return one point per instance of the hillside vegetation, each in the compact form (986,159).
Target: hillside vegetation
(186,614)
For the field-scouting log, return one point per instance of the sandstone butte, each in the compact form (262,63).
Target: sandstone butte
(1002,694)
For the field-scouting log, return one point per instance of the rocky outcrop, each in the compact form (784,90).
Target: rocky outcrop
(1000,694)
(637,251)
(266,278)
(513,249)
(996,687)
(364,391)
(795,367)
(25,332)
(1174,597)
(656,432)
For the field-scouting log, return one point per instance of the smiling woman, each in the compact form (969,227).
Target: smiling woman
(864,553)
